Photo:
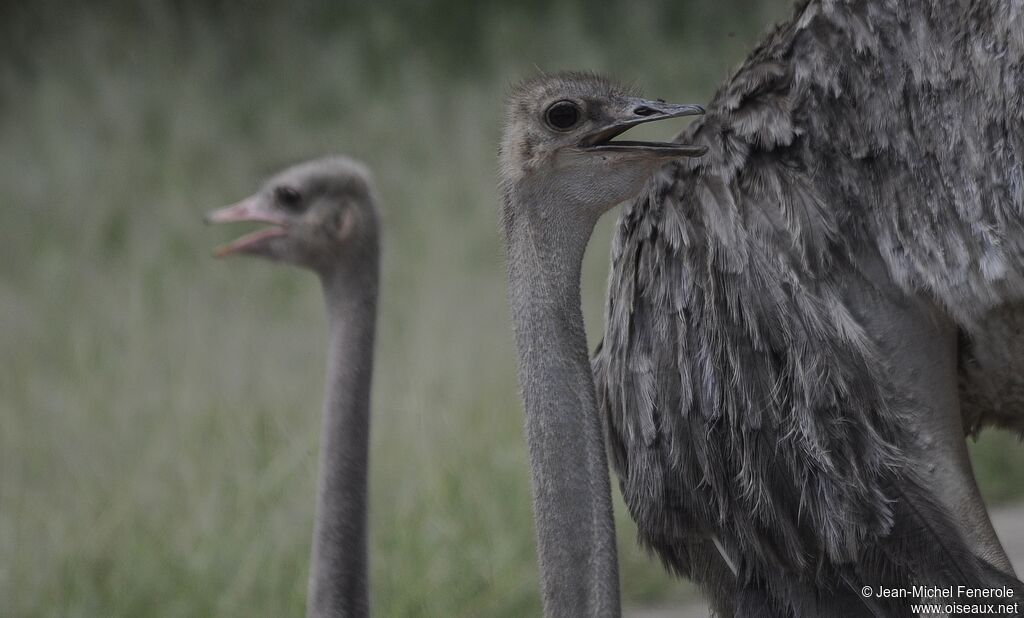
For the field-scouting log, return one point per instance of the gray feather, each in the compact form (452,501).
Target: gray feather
(857,132)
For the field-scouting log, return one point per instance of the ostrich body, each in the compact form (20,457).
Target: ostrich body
(788,315)
(323,218)
(851,247)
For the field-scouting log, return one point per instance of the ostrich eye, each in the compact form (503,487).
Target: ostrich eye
(562,115)
(288,197)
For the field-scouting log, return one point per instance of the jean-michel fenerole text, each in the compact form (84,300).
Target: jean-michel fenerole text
(943,592)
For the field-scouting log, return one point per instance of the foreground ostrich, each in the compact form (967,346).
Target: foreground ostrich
(780,365)
(559,173)
(322,217)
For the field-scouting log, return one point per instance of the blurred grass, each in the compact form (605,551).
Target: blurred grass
(159,409)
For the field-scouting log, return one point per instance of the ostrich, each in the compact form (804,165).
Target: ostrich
(322,217)
(788,315)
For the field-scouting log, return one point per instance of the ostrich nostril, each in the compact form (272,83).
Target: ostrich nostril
(643,110)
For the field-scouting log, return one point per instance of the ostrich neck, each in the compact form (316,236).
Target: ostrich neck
(337,577)
(572,497)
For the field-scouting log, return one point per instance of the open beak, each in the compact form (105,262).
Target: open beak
(637,112)
(249,209)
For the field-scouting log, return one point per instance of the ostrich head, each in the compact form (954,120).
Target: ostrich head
(321,215)
(559,140)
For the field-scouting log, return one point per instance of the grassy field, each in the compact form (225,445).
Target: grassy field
(159,409)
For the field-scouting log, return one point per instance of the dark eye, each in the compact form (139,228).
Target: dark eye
(288,197)
(563,115)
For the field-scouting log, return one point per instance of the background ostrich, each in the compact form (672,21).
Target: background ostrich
(322,217)
(780,364)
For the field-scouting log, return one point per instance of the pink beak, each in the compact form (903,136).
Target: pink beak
(249,209)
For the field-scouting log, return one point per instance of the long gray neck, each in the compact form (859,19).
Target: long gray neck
(571,493)
(338,569)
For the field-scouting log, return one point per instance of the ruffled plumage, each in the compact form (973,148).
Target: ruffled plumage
(744,400)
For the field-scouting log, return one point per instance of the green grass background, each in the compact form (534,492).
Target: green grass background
(159,409)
